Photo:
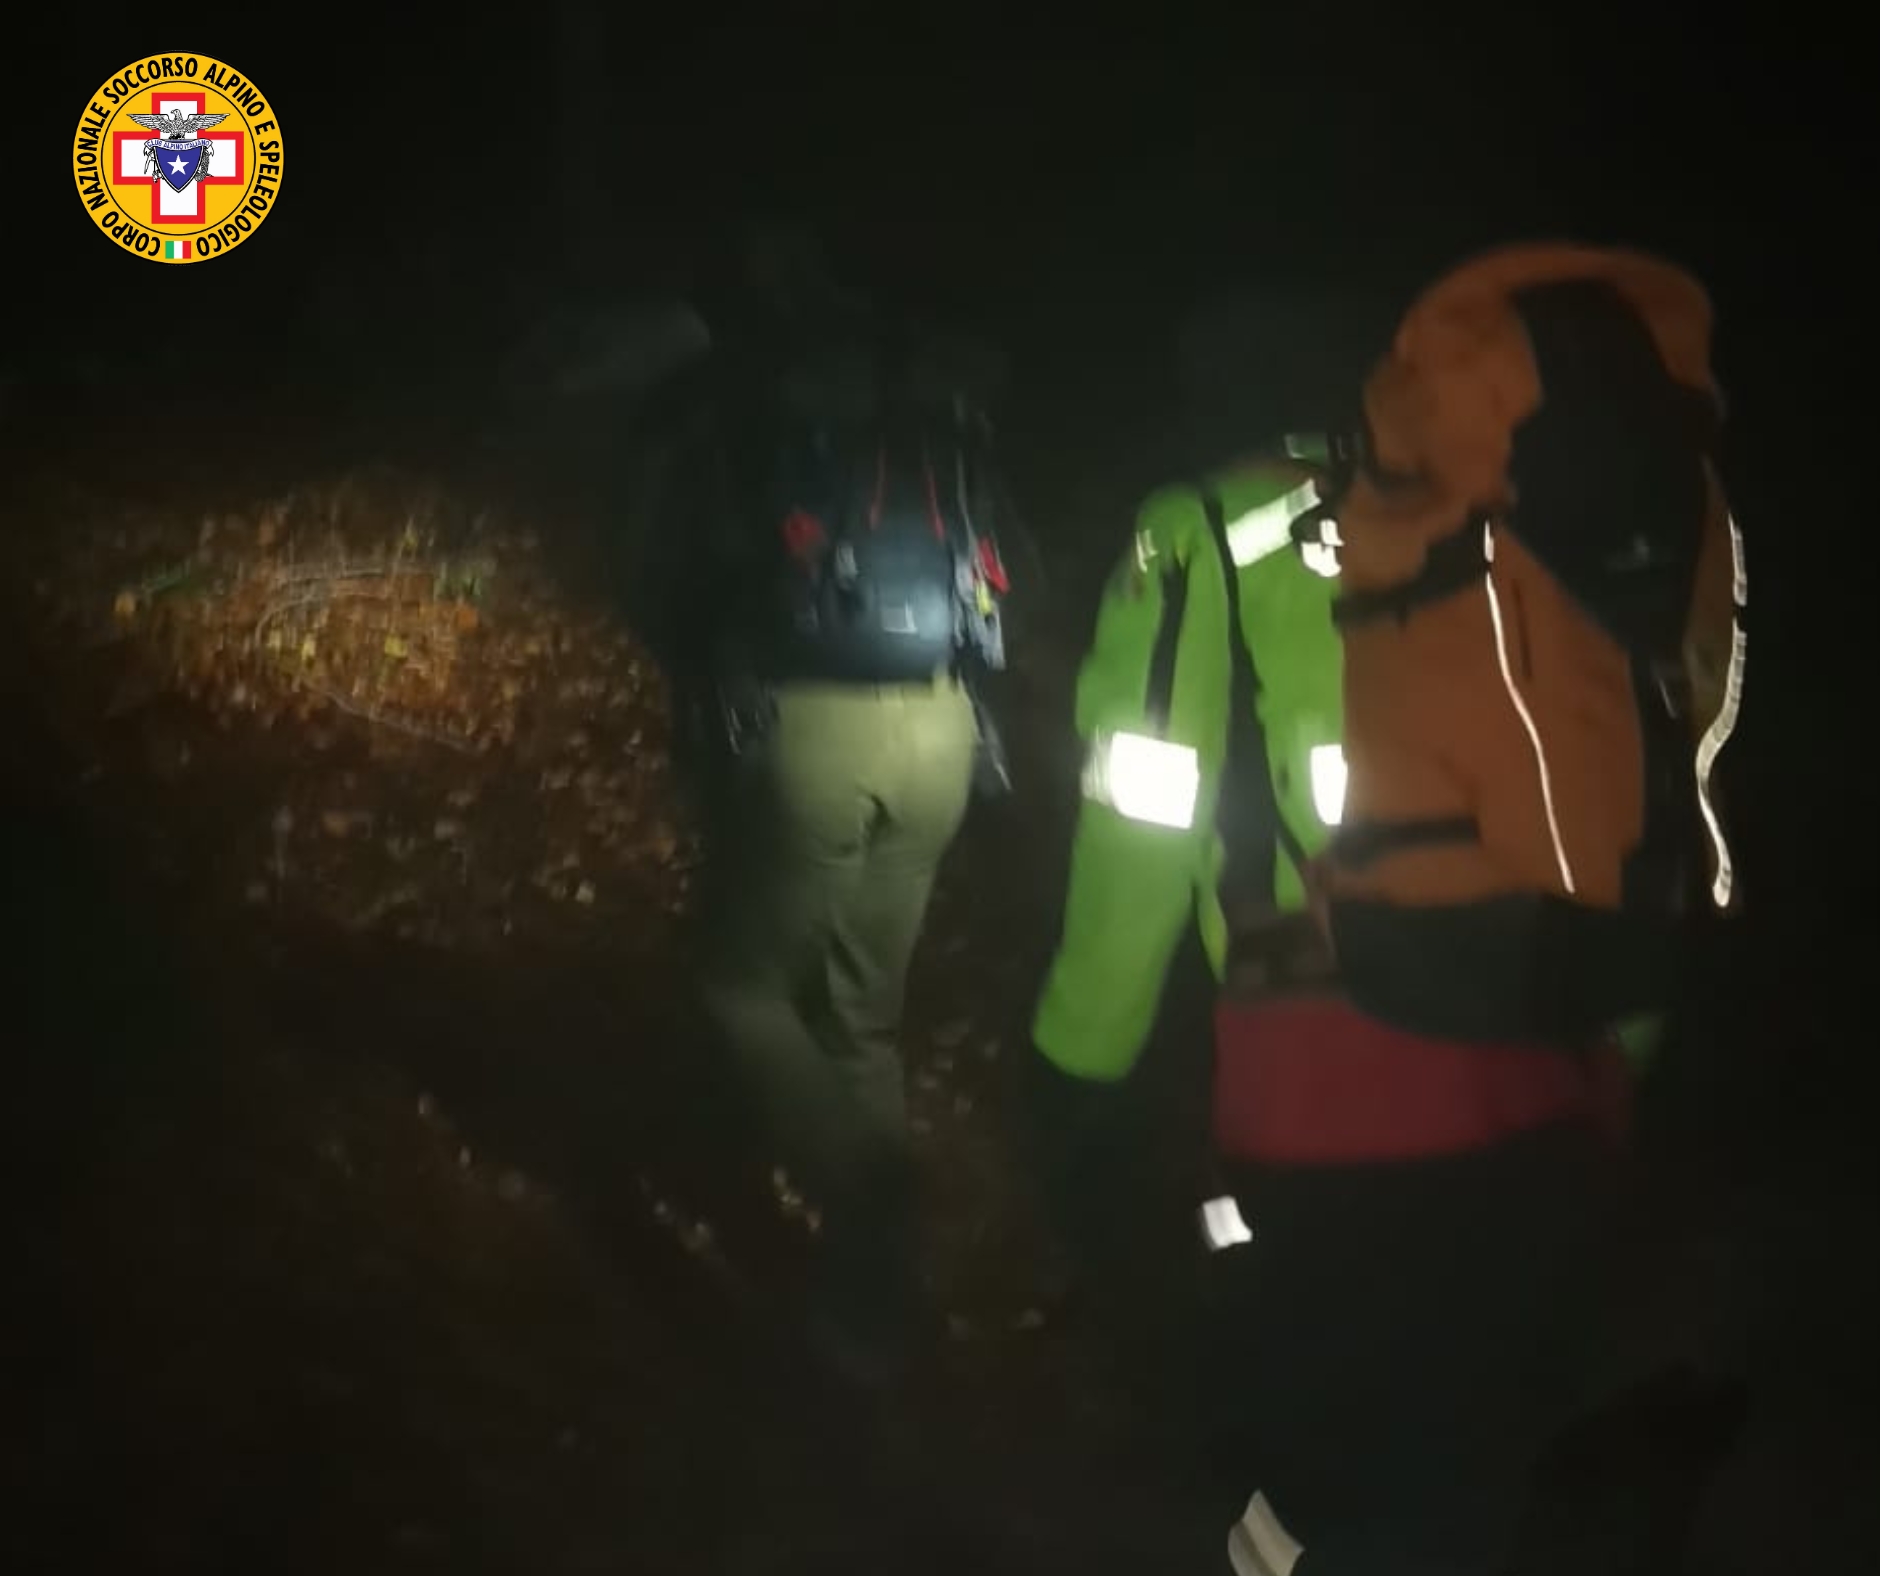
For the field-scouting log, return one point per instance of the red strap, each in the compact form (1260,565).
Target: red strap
(1307,1081)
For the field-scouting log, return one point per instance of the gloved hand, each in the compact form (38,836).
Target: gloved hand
(1119,1279)
(1076,1145)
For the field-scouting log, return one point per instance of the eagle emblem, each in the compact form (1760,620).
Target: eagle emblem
(176,155)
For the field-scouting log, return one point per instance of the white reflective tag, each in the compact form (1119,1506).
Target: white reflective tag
(1222,1225)
(1321,558)
(1327,764)
(1144,779)
(1260,1545)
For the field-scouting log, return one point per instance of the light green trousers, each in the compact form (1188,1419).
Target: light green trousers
(828,843)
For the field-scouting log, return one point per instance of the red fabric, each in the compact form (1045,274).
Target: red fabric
(803,533)
(992,566)
(1313,1081)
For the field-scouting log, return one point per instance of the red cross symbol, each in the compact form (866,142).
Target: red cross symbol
(166,206)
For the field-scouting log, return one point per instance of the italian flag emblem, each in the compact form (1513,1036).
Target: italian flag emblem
(176,249)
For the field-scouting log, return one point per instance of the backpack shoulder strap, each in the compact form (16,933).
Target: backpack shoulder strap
(1250,821)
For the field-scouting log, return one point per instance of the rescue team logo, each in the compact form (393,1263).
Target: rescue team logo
(178,158)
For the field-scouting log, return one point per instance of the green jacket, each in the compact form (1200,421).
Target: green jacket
(1153,698)
(1147,860)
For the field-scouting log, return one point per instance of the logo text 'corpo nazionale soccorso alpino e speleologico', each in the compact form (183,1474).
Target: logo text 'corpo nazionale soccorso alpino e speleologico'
(178,158)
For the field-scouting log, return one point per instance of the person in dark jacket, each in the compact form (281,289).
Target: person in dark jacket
(832,790)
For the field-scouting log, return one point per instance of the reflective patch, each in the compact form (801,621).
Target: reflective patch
(1525,713)
(1222,1225)
(1717,735)
(1144,779)
(1327,765)
(1260,1545)
(1261,532)
(1321,558)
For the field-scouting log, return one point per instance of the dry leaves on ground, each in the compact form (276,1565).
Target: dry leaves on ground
(466,744)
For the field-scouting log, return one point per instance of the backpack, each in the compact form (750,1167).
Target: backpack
(1540,602)
(882,564)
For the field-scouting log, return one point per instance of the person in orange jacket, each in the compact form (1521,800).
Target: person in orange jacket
(1413,1166)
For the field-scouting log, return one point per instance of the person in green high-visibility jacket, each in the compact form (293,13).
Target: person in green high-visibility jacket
(1402,1227)
(1145,932)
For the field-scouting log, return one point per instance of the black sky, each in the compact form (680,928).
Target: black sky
(1006,162)
(1072,186)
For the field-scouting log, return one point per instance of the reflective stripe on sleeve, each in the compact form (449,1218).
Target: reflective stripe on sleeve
(1327,765)
(1144,779)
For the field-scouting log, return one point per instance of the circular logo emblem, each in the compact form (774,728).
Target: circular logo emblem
(178,158)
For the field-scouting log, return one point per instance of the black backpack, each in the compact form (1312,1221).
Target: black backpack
(882,563)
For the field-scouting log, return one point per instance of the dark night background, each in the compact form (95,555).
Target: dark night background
(1072,190)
